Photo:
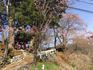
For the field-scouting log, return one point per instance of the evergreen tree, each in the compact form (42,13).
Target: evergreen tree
(39,13)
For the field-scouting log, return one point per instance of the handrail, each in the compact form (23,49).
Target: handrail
(46,52)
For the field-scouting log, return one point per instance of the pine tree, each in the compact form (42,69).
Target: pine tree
(40,13)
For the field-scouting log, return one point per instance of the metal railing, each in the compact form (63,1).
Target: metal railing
(46,52)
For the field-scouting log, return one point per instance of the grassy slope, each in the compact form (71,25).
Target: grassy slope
(47,66)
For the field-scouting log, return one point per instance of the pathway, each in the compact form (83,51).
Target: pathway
(20,65)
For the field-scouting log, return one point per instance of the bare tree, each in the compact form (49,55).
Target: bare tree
(70,25)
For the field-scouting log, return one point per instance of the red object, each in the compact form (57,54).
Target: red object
(15,47)
(24,45)
(16,41)
(18,46)
(28,47)
(21,46)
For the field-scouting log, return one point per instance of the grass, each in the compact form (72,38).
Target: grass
(91,67)
(47,66)
(9,59)
(15,54)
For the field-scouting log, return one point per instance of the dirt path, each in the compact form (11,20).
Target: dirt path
(20,65)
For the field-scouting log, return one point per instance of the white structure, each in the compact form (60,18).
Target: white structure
(43,67)
(46,52)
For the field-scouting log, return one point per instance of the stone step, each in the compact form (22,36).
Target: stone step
(20,65)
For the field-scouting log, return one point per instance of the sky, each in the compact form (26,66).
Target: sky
(87,17)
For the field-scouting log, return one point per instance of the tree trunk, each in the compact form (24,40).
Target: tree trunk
(31,44)
(2,36)
(55,38)
(63,42)
(11,34)
(6,49)
(35,50)
(36,47)
(39,49)
(59,40)
(11,26)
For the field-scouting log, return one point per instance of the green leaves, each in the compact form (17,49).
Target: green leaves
(2,7)
(22,36)
(26,12)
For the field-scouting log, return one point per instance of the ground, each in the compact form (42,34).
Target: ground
(74,61)
(67,60)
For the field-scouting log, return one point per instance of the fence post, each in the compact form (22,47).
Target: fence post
(43,67)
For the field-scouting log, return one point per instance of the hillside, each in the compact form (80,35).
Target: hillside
(70,59)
